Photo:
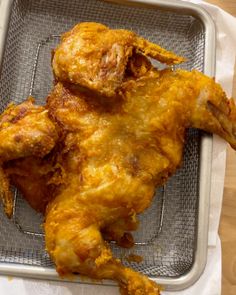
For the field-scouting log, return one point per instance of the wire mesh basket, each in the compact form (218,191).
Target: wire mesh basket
(168,230)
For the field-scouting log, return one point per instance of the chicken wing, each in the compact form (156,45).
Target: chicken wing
(95,57)
(25,130)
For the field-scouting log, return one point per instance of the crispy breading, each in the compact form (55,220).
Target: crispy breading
(113,129)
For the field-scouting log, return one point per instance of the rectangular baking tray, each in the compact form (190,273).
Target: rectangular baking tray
(172,238)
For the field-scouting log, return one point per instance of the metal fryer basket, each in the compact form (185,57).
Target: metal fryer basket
(26,69)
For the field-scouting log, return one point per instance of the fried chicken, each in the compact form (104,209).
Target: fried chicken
(32,175)
(116,157)
(116,144)
(94,57)
(25,130)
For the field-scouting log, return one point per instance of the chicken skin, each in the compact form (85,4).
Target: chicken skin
(25,130)
(94,57)
(117,137)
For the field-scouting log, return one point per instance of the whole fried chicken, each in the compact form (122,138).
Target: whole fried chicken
(118,132)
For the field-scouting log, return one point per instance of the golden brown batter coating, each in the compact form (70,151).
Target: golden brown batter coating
(25,130)
(93,56)
(112,150)
(114,157)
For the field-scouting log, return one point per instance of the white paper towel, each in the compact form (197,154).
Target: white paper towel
(210,282)
(225,61)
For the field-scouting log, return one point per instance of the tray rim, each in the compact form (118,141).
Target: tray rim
(186,280)
(5,11)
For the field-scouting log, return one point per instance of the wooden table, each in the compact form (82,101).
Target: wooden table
(228,219)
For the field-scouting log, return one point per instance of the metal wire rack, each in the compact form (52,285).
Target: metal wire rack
(167,237)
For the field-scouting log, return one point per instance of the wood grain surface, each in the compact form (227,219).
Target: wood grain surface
(228,218)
